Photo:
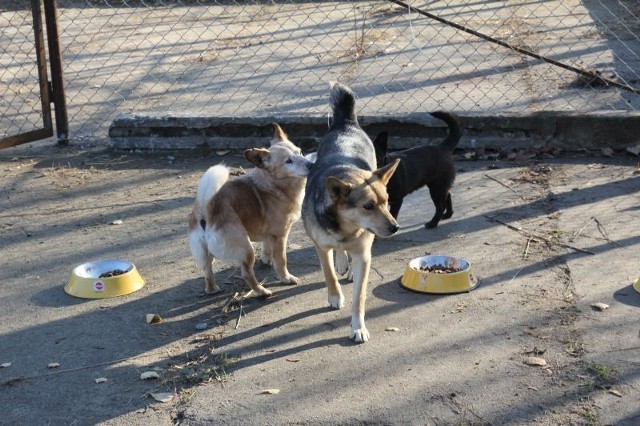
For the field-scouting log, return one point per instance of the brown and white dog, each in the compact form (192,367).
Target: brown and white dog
(262,205)
(345,204)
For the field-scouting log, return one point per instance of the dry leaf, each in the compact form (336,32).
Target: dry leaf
(635,150)
(5,365)
(271,391)
(534,360)
(293,359)
(222,153)
(149,375)
(101,380)
(615,392)
(599,306)
(53,365)
(162,396)
(154,319)
(607,152)
(392,329)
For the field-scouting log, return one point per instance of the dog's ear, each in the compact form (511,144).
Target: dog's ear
(257,156)
(278,134)
(338,190)
(385,173)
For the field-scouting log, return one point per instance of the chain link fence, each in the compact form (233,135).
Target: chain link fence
(244,58)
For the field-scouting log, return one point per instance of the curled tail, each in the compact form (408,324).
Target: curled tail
(210,183)
(455,129)
(343,104)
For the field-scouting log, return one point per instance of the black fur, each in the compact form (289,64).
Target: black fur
(430,165)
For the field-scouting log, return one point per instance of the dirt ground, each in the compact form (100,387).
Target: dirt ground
(548,238)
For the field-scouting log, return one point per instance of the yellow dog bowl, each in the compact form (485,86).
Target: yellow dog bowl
(103,279)
(636,285)
(417,278)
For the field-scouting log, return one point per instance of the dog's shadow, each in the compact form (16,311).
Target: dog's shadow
(628,296)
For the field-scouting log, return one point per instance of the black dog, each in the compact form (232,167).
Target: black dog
(430,165)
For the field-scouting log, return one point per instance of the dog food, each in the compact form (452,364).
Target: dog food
(113,273)
(440,269)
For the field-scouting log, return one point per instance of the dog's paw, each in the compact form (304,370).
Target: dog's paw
(336,301)
(430,225)
(359,335)
(211,288)
(291,280)
(263,292)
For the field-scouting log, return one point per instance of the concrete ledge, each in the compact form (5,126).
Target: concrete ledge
(569,131)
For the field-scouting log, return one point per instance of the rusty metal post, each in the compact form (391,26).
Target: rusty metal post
(41,60)
(57,81)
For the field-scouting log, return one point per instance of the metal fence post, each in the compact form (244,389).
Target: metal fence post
(57,81)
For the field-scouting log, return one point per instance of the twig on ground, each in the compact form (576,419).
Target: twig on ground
(575,235)
(69,370)
(516,274)
(624,349)
(526,249)
(505,185)
(240,315)
(603,231)
(531,234)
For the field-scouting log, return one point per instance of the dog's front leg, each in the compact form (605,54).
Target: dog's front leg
(336,297)
(279,256)
(360,264)
(249,276)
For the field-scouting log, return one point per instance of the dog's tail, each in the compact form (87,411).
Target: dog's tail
(343,104)
(210,183)
(455,129)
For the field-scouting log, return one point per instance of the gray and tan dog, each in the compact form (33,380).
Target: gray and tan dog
(345,204)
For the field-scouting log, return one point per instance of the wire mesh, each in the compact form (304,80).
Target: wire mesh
(245,58)
(20,107)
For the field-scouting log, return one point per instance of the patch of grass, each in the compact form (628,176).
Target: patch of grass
(602,373)
(590,417)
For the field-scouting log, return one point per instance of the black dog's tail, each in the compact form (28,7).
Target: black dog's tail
(343,104)
(455,129)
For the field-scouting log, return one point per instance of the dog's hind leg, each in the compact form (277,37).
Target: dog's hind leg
(210,286)
(335,295)
(279,256)
(361,264)
(439,198)
(448,212)
(203,259)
